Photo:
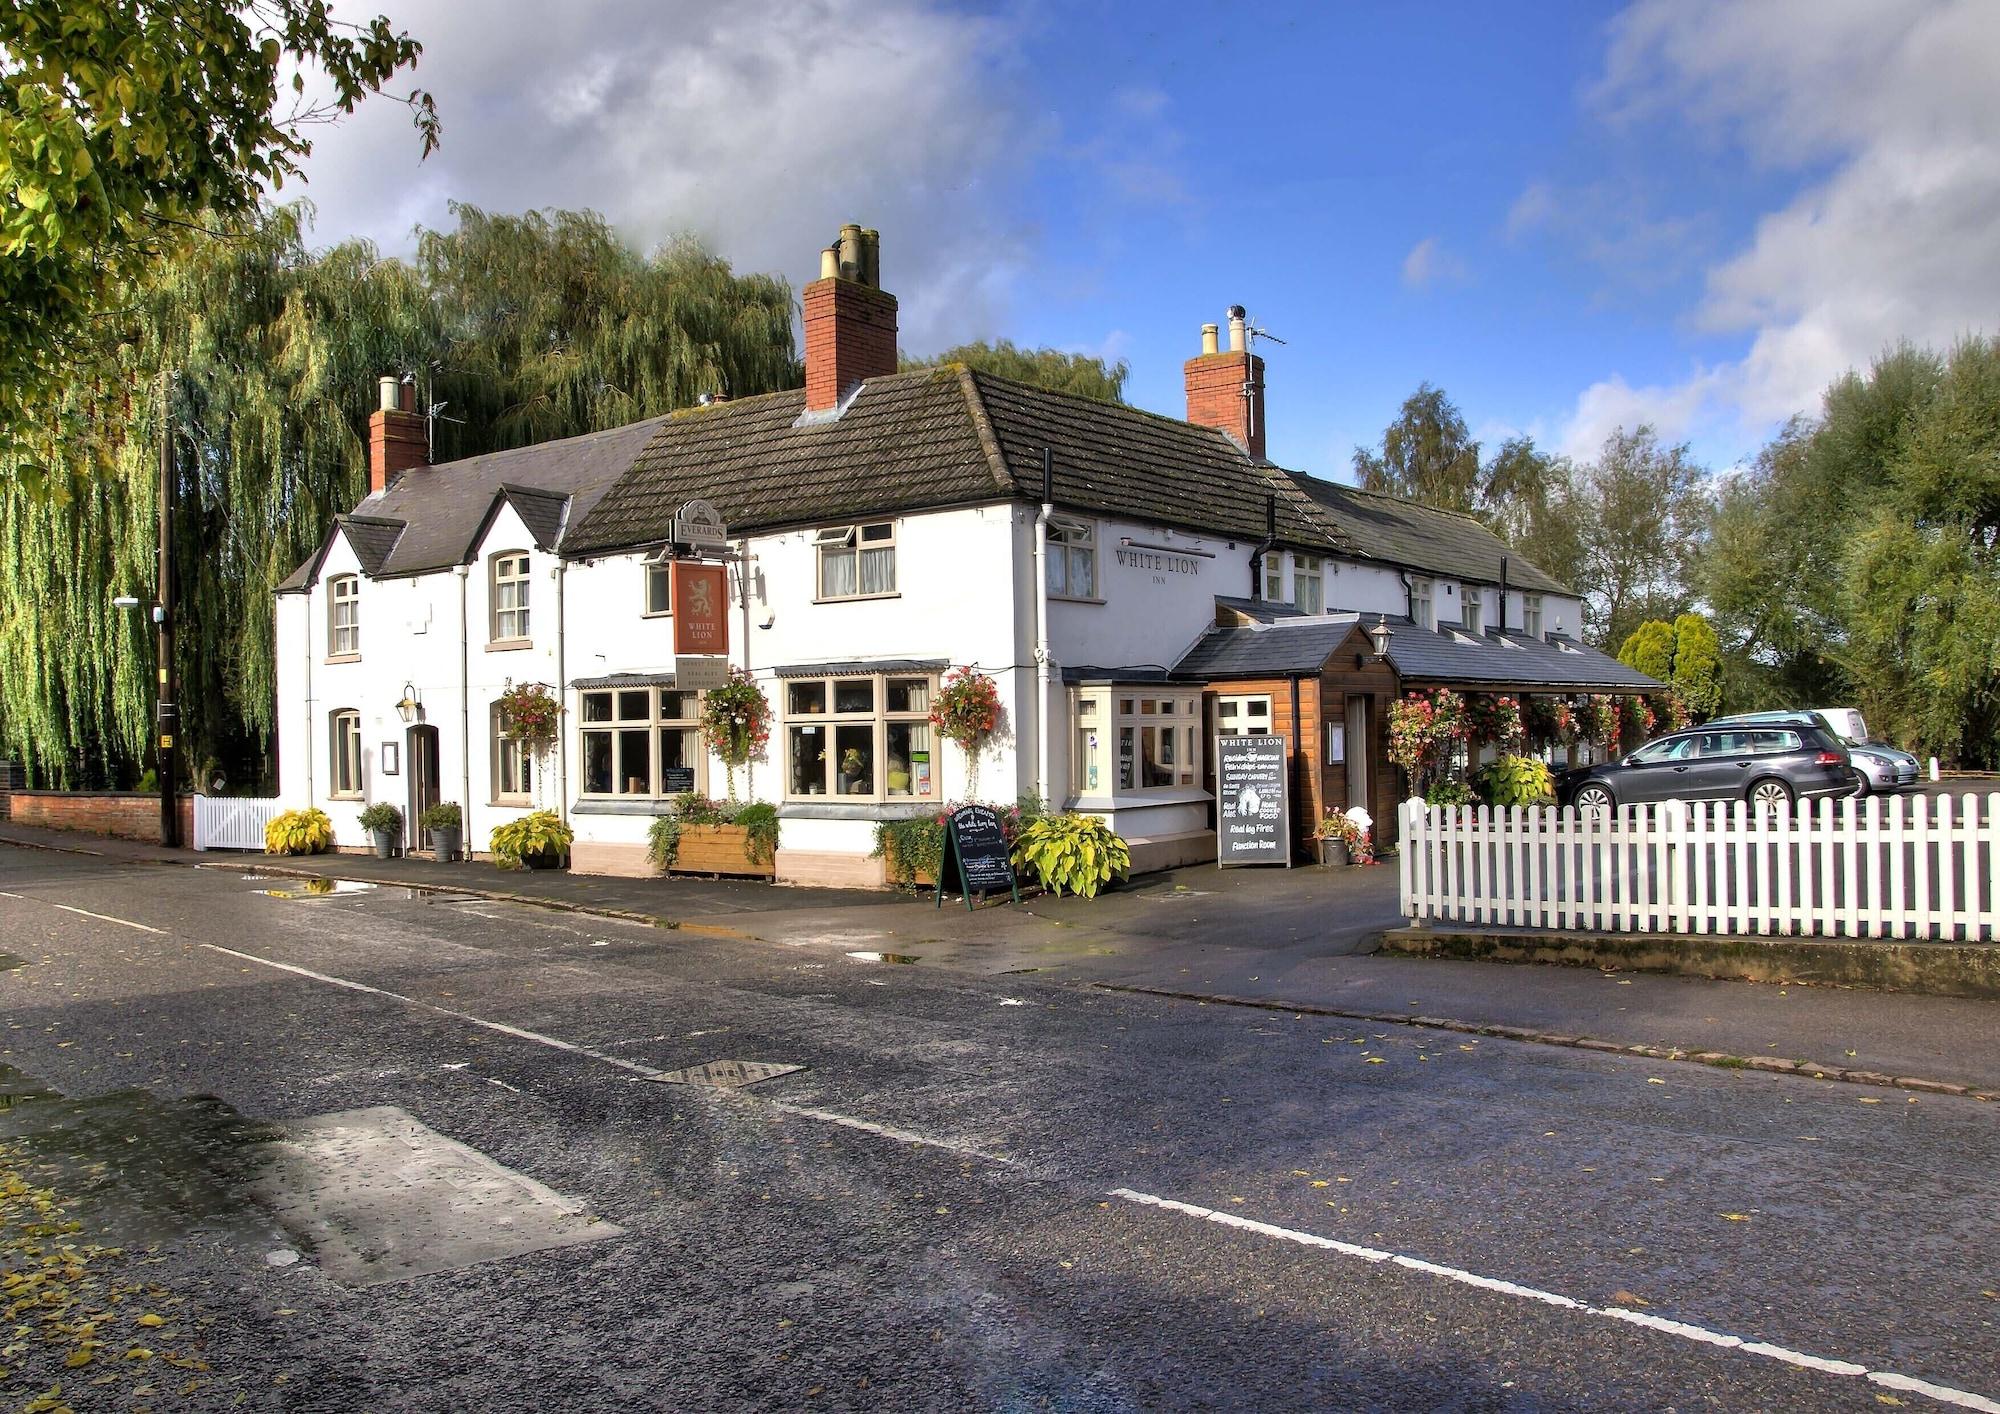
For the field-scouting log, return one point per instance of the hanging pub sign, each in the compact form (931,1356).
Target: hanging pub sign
(701,609)
(699,526)
(975,853)
(1253,809)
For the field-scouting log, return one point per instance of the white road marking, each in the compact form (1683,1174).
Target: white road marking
(518,1033)
(883,1131)
(1888,1379)
(86,913)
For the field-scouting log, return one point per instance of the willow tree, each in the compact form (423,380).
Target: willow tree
(553,327)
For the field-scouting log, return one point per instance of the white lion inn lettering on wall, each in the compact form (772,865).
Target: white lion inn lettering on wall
(1157,562)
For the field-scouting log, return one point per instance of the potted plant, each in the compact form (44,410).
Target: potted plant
(1345,838)
(538,840)
(716,837)
(385,822)
(446,823)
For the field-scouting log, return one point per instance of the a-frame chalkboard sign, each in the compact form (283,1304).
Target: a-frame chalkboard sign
(975,853)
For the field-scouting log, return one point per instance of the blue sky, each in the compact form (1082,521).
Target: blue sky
(1569,216)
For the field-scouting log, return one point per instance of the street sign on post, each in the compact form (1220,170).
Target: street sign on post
(699,526)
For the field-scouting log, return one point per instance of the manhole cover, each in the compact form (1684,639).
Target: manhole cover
(728,1074)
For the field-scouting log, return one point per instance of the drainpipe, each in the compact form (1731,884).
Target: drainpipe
(1257,555)
(464,711)
(1410,596)
(311,750)
(743,580)
(1042,623)
(1503,594)
(562,691)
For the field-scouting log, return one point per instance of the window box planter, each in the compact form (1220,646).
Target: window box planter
(923,875)
(719,849)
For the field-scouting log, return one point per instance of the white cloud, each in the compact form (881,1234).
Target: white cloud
(1429,263)
(1889,111)
(758,128)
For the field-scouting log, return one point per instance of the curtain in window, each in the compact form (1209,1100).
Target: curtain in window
(836,574)
(878,571)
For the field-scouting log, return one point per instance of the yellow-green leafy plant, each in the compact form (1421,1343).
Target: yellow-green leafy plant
(1517,780)
(299,832)
(1071,854)
(540,835)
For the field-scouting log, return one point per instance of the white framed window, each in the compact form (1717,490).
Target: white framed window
(863,737)
(1423,606)
(1309,584)
(1072,559)
(1238,714)
(513,764)
(1159,741)
(857,561)
(343,615)
(659,598)
(347,781)
(643,741)
(1531,615)
(510,596)
(1274,577)
(1472,611)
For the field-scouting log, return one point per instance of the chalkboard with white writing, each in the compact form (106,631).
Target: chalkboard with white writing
(1253,809)
(975,853)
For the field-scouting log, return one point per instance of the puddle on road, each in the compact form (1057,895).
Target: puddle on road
(321,888)
(902,957)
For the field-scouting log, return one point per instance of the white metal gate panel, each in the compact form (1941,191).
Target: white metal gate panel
(224,822)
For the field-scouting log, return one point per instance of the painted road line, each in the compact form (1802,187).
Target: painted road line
(518,1033)
(1888,1379)
(884,1131)
(86,913)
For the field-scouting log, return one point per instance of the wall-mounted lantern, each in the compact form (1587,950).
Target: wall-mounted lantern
(410,708)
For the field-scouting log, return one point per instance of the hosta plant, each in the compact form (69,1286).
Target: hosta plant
(541,834)
(1450,791)
(299,832)
(1517,780)
(1071,854)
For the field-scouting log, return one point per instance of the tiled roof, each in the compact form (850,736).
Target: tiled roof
(905,442)
(1089,672)
(1302,645)
(860,667)
(372,539)
(1263,611)
(1417,536)
(541,511)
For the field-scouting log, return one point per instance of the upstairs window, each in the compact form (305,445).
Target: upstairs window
(343,616)
(659,589)
(1423,607)
(1072,559)
(1274,578)
(857,561)
(1309,584)
(510,596)
(1472,612)
(346,725)
(1531,615)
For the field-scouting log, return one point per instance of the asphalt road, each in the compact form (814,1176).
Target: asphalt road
(964,1200)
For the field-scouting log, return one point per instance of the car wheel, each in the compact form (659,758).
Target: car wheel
(1593,797)
(1861,785)
(1771,796)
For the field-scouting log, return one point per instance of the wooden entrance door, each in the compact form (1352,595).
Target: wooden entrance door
(426,781)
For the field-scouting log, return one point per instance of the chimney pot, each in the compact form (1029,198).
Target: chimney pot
(398,439)
(1208,338)
(829,263)
(850,252)
(1226,390)
(1237,336)
(389,397)
(850,321)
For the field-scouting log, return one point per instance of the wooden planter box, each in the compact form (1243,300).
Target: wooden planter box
(924,874)
(719,849)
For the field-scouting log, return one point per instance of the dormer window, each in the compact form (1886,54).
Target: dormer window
(1423,607)
(1472,612)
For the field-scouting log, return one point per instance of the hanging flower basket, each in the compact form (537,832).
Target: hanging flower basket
(532,713)
(736,721)
(1495,720)
(967,709)
(1425,729)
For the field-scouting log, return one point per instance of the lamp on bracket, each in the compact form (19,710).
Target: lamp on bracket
(410,708)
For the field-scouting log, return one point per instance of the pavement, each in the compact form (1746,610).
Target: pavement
(1303,939)
(982,1190)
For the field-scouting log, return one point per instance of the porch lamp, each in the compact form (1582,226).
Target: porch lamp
(409,709)
(1379,636)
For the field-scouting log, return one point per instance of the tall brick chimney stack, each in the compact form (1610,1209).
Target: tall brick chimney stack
(1225,390)
(397,437)
(850,320)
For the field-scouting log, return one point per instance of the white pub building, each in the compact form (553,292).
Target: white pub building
(1135,584)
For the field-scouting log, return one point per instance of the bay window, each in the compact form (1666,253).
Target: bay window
(857,561)
(1128,742)
(642,741)
(865,736)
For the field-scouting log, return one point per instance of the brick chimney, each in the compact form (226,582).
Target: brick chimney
(1226,390)
(397,437)
(850,320)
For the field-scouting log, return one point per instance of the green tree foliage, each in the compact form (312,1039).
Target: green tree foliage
(1697,671)
(1650,649)
(1426,454)
(125,129)
(275,350)
(1641,512)
(1084,374)
(1529,499)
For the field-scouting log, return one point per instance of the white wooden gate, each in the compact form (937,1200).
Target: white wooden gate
(1884,867)
(229,822)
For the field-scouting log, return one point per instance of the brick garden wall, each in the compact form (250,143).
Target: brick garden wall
(129,815)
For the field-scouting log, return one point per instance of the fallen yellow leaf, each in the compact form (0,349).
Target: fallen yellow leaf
(1737,1217)
(1319,1183)
(1654,1080)
(149,1320)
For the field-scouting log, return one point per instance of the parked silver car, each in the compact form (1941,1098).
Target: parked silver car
(1875,766)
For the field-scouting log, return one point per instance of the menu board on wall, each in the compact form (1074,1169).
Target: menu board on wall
(1253,808)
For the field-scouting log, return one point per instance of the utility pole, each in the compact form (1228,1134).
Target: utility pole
(167,714)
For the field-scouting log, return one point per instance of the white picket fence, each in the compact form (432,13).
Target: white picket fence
(1894,867)
(229,822)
